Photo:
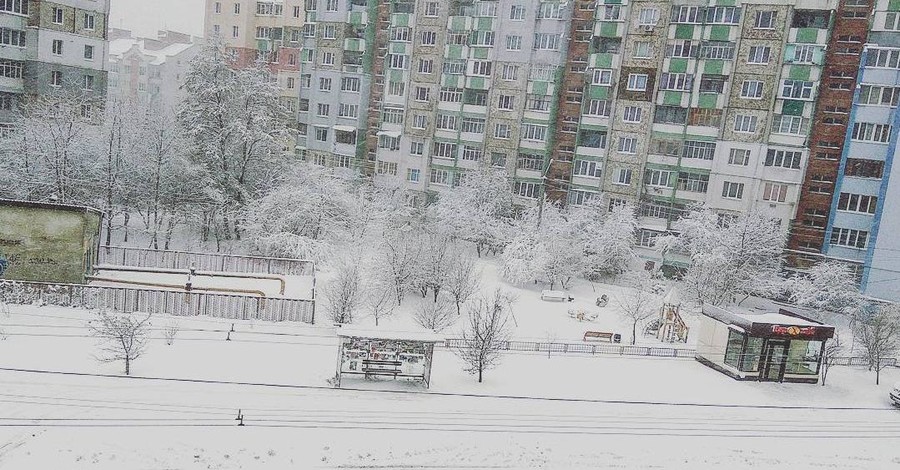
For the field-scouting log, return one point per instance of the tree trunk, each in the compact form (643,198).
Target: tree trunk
(458,312)
(634,333)
(878,374)
(480,371)
(127,366)
(125,225)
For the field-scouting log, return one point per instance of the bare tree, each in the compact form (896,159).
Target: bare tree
(397,260)
(435,315)
(124,336)
(485,333)
(379,301)
(344,292)
(639,303)
(170,331)
(431,265)
(463,280)
(878,331)
(833,349)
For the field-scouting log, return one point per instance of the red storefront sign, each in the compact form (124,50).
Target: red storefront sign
(794,330)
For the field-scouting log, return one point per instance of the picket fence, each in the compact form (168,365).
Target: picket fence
(219,262)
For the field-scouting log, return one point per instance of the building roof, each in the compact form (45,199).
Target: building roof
(119,47)
(48,205)
(761,321)
(420,335)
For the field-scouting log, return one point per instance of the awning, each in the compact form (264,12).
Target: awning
(344,128)
(393,134)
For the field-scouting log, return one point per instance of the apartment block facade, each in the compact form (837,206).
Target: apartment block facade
(47,45)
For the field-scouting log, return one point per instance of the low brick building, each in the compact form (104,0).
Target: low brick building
(48,242)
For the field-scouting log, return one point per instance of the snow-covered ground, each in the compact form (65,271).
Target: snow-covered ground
(531,412)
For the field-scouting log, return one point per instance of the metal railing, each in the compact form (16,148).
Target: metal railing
(220,262)
(583,348)
(860,361)
(126,300)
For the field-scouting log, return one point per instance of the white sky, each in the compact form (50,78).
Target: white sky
(145,17)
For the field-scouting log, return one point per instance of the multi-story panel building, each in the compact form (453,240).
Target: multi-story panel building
(48,45)
(150,71)
(865,208)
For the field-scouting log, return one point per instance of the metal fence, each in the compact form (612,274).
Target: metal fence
(126,300)
(860,361)
(147,258)
(583,348)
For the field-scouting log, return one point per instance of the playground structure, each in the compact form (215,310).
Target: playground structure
(670,326)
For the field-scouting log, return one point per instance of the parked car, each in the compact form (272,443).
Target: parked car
(895,394)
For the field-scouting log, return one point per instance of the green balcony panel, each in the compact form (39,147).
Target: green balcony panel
(807,35)
(799,72)
(714,67)
(458,23)
(397,76)
(400,19)
(480,52)
(678,65)
(719,32)
(455,51)
(599,92)
(398,48)
(609,29)
(485,24)
(672,98)
(708,100)
(477,83)
(792,108)
(894,5)
(356,18)
(684,31)
(603,60)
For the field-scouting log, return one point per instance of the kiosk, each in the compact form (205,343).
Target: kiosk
(386,353)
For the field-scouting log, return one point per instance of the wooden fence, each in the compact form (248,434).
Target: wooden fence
(126,300)
(219,262)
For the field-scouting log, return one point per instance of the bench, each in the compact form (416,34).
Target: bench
(375,367)
(556,296)
(602,336)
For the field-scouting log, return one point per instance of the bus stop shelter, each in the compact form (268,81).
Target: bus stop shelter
(396,354)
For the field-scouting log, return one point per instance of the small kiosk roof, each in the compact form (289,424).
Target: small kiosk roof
(421,335)
(760,322)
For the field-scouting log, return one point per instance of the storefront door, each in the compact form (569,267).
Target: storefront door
(773,367)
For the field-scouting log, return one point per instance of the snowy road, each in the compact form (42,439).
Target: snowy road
(184,424)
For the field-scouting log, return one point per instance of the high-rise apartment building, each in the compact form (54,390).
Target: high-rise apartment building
(47,45)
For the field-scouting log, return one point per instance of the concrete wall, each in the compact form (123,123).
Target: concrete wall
(48,245)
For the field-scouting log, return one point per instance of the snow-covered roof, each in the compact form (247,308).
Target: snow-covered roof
(761,321)
(118,48)
(773,318)
(48,205)
(421,335)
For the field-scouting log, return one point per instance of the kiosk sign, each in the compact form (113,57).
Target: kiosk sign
(794,330)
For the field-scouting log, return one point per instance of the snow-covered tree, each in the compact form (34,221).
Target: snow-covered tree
(432,264)
(344,292)
(434,315)
(479,210)
(829,286)
(732,256)
(486,331)
(237,125)
(123,336)
(547,246)
(398,257)
(608,237)
(379,301)
(833,349)
(638,303)
(463,280)
(878,331)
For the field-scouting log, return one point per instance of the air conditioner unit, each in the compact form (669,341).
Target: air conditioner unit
(648,28)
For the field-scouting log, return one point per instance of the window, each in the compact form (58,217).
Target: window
(328,58)
(804,53)
(400,33)
(765,20)
(637,82)
(56,78)
(723,15)
(398,61)
(632,114)
(422,93)
(864,168)
(432,9)
(676,81)
(587,168)
(502,131)
(388,142)
(648,16)
(445,150)
(693,182)
(89,21)
(530,161)
(579,197)
(481,68)
(534,132)
(659,178)
(455,67)
(641,50)
(322,134)
(879,95)
(498,159)
(592,138)
(542,72)
(612,12)
(412,175)
(393,115)
(783,159)
(550,10)
(602,77)
(744,123)
(426,66)
(350,84)
(12,37)
(883,58)
(329,32)
(622,176)
(506,102)
(324,84)
(699,150)
(849,237)
(331,5)
(712,83)
(537,102)
(447,122)
(685,14)
(416,148)
(529,190)
(451,95)
(869,132)
(784,124)
(857,203)
(759,55)
(670,115)
(57,46)
(732,190)
(472,154)
(517,12)
(510,72)
(235,32)
(483,38)
(429,38)
(722,50)
(892,21)
(811,19)
(739,157)
(797,89)
(348,110)
(803,357)
(599,108)
(473,125)
(752,89)
(627,145)
(88,82)
(513,43)
(682,49)
(322,110)
(57,15)
(775,192)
